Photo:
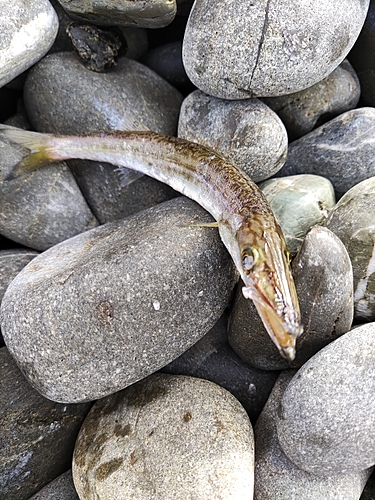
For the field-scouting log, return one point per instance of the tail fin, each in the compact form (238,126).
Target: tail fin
(38,144)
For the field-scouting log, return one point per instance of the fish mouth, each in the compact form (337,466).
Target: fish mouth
(282,324)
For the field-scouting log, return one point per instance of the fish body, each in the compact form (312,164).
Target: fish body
(246,223)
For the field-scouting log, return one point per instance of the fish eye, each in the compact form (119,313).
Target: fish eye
(249,258)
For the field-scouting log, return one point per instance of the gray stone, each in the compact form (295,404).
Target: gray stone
(302,111)
(100,311)
(323,276)
(11,263)
(247,132)
(27,32)
(42,208)
(136,41)
(213,359)
(130,97)
(167,437)
(142,14)
(277,478)
(327,413)
(36,435)
(342,150)
(61,488)
(353,221)
(300,202)
(236,50)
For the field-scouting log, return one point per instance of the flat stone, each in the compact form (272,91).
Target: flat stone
(144,14)
(322,273)
(27,30)
(166,437)
(236,49)
(353,221)
(341,150)
(61,488)
(113,305)
(42,208)
(277,478)
(36,435)
(130,97)
(300,202)
(247,132)
(302,111)
(327,413)
(212,358)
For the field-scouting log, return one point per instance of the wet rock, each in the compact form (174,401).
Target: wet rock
(302,111)
(120,302)
(42,208)
(237,50)
(277,478)
(247,132)
(353,221)
(36,435)
(61,488)
(341,150)
(326,415)
(300,202)
(145,14)
(323,276)
(212,358)
(166,437)
(27,32)
(130,97)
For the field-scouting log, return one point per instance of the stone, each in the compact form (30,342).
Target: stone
(300,202)
(362,55)
(37,436)
(327,412)
(136,41)
(130,97)
(11,263)
(61,488)
(212,358)
(369,490)
(113,305)
(28,30)
(166,437)
(302,111)
(236,49)
(144,14)
(353,221)
(247,132)
(341,150)
(42,208)
(277,478)
(323,277)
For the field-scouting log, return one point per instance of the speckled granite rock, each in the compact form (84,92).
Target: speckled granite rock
(166,437)
(43,208)
(61,488)
(300,202)
(236,49)
(302,111)
(247,132)
(11,263)
(353,221)
(212,358)
(130,97)
(341,150)
(277,478)
(27,32)
(324,283)
(107,308)
(36,435)
(327,412)
(144,14)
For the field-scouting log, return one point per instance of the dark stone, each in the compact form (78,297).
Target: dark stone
(61,488)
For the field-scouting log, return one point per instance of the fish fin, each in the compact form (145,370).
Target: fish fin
(38,144)
(127,176)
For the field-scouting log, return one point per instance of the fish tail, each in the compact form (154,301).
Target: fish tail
(41,150)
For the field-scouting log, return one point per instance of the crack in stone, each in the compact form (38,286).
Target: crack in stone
(261,41)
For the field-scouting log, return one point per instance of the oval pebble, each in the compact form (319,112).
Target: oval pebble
(247,132)
(166,437)
(327,413)
(119,302)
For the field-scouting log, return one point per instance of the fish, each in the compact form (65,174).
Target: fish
(247,226)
